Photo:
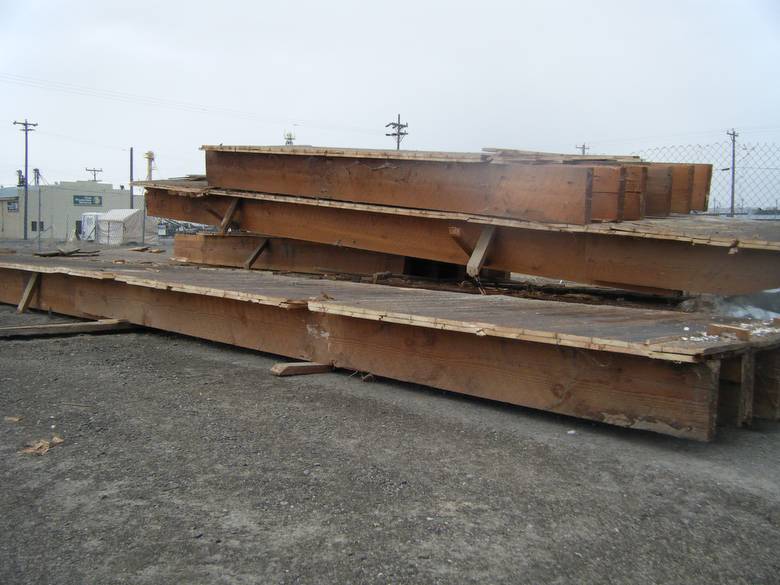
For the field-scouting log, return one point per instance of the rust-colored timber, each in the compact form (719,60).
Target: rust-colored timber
(233,250)
(658,195)
(622,261)
(547,193)
(702,178)
(625,390)
(682,188)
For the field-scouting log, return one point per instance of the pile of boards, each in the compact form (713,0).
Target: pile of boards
(583,219)
(501,183)
(578,218)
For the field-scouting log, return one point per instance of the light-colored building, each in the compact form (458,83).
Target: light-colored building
(61,207)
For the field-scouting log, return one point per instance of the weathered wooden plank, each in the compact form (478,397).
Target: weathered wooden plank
(300,368)
(682,188)
(658,199)
(548,193)
(27,295)
(702,178)
(672,398)
(767,385)
(234,250)
(481,250)
(624,259)
(228,217)
(261,246)
(100,326)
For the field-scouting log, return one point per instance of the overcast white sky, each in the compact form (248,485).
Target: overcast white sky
(102,76)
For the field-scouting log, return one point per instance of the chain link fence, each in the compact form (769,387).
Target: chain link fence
(756,180)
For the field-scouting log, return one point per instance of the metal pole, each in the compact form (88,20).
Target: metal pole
(733,134)
(37,175)
(397,137)
(131,177)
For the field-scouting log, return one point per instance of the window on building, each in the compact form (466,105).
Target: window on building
(34,226)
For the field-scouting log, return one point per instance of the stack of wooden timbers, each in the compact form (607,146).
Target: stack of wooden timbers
(611,221)
(583,219)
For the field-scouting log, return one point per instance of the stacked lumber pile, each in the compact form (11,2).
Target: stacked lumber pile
(614,221)
(500,183)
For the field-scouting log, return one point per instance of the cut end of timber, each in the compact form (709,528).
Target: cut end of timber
(741,333)
(299,368)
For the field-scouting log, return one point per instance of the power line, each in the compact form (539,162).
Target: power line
(130,98)
(26,127)
(399,131)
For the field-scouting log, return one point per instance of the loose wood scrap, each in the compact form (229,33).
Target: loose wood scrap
(299,368)
(27,295)
(99,326)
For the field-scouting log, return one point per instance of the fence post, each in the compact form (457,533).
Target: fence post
(733,135)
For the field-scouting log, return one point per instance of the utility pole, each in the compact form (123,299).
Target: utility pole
(289,139)
(149,156)
(583,148)
(131,177)
(94,174)
(398,131)
(37,179)
(733,135)
(26,127)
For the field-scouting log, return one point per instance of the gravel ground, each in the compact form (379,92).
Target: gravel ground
(187,462)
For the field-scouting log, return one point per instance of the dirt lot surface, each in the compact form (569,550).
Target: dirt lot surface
(187,462)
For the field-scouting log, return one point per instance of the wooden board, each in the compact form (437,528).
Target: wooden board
(672,398)
(658,198)
(547,193)
(639,255)
(664,335)
(282,254)
(714,231)
(702,178)
(99,326)
(682,188)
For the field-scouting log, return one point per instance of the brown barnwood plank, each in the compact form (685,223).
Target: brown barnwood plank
(631,391)
(624,259)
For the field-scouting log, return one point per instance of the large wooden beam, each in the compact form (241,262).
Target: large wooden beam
(625,390)
(234,250)
(548,193)
(593,258)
